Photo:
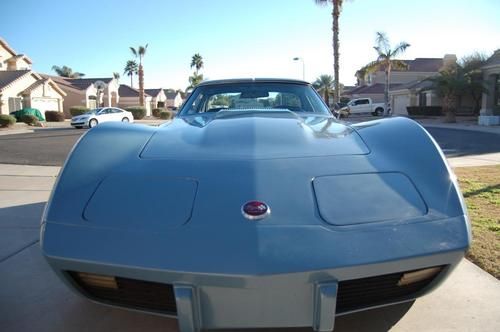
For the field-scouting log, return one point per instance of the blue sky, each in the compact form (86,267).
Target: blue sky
(239,38)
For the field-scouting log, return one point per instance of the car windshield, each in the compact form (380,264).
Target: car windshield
(211,98)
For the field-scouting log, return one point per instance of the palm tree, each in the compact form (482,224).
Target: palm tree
(130,70)
(476,86)
(197,62)
(194,80)
(325,85)
(337,7)
(65,71)
(450,85)
(140,52)
(386,61)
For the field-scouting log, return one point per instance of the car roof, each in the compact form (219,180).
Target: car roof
(253,80)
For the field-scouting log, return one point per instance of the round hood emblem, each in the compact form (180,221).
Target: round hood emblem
(254,210)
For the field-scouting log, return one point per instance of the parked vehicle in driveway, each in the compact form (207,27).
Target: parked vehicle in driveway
(255,207)
(364,105)
(99,115)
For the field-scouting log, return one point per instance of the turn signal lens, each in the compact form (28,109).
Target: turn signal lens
(96,280)
(416,276)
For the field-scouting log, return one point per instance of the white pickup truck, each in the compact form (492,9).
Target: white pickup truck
(364,105)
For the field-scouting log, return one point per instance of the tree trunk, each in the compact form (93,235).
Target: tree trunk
(386,90)
(141,85)
(335,28)
(448,111)
(131,83)
(326,97)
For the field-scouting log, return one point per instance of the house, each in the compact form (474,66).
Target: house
(21,87)
(130,97)
(372,85)
(158,97)
(174,98)
(490,106)
(84,91)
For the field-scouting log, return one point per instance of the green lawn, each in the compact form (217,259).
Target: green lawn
(481,189)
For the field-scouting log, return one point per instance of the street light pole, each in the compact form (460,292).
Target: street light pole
(303,66)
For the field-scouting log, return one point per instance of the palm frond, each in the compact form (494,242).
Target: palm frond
(399,65)
(133,50)
(382,41)
(373,66)
(400,48)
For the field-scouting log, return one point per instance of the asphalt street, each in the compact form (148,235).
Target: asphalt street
(50,147)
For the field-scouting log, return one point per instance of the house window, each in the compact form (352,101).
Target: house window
(497,91)
(422,99)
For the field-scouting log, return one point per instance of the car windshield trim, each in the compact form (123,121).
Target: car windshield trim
(254,96)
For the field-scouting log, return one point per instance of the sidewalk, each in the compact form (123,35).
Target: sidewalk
(33,298)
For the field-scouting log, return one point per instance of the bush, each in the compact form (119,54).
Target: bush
(54,116)
(78,110)
(138,112)
(30,120)
(156,112)
(7,120)
(166,115)
(424,110)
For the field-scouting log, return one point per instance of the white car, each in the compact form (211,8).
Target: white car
(105,114)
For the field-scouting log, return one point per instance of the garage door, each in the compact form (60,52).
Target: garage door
(400,103)
(45,104)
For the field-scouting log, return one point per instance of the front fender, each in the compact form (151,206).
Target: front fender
(98,153)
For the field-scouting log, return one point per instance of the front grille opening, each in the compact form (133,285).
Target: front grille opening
(131,293)
(367,292)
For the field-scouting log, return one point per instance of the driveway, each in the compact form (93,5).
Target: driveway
(32,298)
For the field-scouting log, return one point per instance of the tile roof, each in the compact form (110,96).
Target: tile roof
(376,88)
(33,86)
(424,64)
(77,83)
(494,60)
(41,82)
(152,92)
(420,65)
(170,94)
(126,91)
(7,47)
(7,77)
(417,84)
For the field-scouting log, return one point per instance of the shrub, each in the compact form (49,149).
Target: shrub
(54,116)
(166,115)
(156,112)
(424,110)
(138,112)
(7,120)
(30,120)
(77,110)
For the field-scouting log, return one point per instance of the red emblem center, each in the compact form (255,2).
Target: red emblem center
(255,210)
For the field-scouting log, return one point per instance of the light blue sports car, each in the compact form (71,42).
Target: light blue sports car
(255,207)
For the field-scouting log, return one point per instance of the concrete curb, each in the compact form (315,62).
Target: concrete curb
(489,130)
(15,131)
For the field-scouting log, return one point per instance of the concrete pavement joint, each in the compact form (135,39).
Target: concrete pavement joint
(19,250)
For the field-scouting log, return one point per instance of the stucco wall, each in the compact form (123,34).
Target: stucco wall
(134,101)
(13,90)
(4,55)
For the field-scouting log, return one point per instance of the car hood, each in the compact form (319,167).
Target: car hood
(256,134)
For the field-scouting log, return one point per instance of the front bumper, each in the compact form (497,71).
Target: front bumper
(80,123)
(253,289)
